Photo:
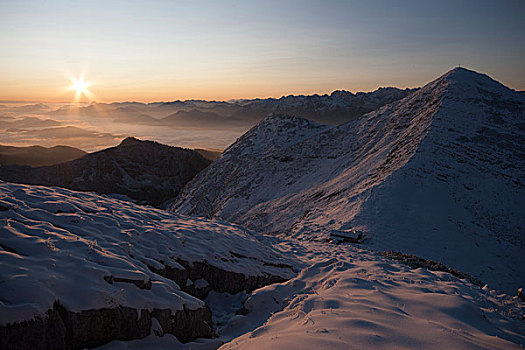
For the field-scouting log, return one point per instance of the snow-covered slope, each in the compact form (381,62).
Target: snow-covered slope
(439,174)
(274,133)
(71,253)
(348,298)
(81,270)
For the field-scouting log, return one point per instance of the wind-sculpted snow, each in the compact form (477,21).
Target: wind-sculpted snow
(90,252)
(87,252)
(439,174)
(347,298)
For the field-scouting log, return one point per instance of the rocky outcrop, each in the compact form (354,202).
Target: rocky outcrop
(417,262)
(145,171)
(63,329)
(216,279)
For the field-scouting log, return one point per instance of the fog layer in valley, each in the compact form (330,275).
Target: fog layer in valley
(193,123)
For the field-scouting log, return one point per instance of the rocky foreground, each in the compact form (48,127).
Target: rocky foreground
(79,270)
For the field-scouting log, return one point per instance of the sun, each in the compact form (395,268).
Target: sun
(80,86)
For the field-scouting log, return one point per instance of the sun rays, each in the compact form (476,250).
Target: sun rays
(80,86)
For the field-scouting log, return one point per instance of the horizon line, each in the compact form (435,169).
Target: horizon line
(210,100)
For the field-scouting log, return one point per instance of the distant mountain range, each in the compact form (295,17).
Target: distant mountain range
(145,171)
(339,107)
(37,155)
(438,174)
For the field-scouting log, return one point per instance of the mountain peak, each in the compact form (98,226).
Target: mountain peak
(274,132)
(465,83)
(464,76)
(129,141)
(132,141)
(451,153)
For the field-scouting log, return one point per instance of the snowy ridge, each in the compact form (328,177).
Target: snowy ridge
(267,140)
(275,132)
(91,252)
(436,174)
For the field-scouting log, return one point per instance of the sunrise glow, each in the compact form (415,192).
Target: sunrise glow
(80,86)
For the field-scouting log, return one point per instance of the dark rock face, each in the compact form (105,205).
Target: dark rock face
(218,280)
(145,171)
(63,329)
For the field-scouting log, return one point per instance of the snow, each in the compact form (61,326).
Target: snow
(439,174)
(91,252)
(201,283)
(274,133)
(347,298)
(223,307)
(350,298)
(165,342)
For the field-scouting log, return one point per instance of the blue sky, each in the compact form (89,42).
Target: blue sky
(165,50)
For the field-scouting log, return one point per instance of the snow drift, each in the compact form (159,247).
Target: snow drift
(79,270)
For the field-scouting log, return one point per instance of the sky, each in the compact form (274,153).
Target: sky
(219,50)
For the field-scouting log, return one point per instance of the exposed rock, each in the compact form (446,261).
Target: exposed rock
(219,280)
(63,329)
(346,236)
(521,295)
(415,262)
(105,259)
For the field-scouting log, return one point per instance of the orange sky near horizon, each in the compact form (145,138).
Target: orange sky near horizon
(60,90)
(165,51)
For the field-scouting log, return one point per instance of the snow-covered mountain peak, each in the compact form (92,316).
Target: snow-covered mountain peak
(464,83)
(274,132)
(439,174)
